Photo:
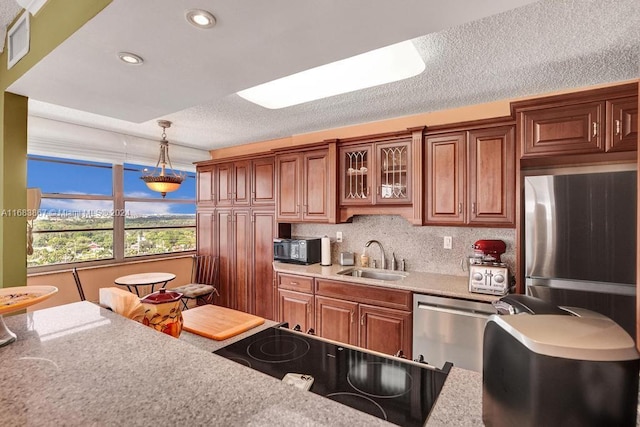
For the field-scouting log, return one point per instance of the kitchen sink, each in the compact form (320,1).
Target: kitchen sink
(373,274)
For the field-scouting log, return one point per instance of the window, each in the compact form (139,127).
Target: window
(97,212)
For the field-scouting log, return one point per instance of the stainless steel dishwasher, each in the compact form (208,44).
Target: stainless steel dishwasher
(449,330)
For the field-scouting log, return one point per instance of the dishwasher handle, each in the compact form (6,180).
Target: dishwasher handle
(456,311)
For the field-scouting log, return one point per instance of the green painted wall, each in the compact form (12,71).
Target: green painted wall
(54,23)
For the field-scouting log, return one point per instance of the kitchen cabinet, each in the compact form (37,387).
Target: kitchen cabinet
(470,177)
(371,317)
(205,222)
(245,247)
(296,304)
(385,330)
(445,167)
(296,308)
(236,221)
(337,320)
(232,183)
(306,186)
(205,185)
(622,124)
(263,182)
(383,178)
(590,122)
(263,225)
(381,175)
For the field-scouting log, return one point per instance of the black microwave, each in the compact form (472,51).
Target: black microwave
(297,250)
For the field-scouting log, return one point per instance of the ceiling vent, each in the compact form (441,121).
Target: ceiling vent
(18,40)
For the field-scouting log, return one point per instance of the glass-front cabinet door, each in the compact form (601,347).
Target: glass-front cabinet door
(355,167)
(393,172)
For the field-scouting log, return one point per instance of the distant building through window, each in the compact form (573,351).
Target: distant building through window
(97,212)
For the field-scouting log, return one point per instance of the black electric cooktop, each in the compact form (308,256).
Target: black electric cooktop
(394,389)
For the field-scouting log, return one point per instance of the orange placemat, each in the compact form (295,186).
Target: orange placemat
(218,323)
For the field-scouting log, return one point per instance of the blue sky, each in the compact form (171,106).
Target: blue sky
(53,177)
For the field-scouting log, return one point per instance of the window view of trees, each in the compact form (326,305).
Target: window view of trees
(79,218)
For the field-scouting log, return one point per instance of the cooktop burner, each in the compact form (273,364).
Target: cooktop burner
(394,389)
(278,350)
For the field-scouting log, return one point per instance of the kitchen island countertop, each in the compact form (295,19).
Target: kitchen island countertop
(80,364)
(416,281)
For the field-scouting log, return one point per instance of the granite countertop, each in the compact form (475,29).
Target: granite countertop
(80,364)
(424,283)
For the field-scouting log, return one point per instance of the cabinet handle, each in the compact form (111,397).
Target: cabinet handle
(294,283)
(618,127)
(460,207)
(473,207)
(308,308)
(351,316)
(368,190)
(377,191)
(362,320)
(594,127)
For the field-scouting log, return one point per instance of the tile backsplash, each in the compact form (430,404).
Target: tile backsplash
(421,247)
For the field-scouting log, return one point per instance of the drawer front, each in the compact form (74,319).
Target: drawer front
(368,294)
(295,283)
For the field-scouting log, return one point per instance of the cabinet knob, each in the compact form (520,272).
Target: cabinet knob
(362,320)
(351,316)
(460,207)
(594,127)
(618,127)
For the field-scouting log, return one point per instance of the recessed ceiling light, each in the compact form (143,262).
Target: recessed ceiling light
(200,18)
(130,58)
(385,65)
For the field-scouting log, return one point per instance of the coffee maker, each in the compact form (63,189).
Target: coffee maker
(487,273)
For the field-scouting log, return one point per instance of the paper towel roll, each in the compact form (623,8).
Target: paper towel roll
(325,246)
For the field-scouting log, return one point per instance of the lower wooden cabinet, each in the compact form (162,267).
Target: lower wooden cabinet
(296,308)
(372,317)
(385,330)
(337,320)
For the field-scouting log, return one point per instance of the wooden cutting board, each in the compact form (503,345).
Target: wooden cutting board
(218,323)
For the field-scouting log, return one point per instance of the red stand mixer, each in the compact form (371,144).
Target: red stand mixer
(488,250)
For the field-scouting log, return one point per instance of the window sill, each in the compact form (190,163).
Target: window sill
(87,265)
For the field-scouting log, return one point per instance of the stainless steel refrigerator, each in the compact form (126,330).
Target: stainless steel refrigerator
(580,240)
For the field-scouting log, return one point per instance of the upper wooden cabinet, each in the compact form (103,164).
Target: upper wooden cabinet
(305,186)
(470,177)
(622,124)
(382,174)
(591,122)
(445,166)
(263,181)
(376,173)
(491,180)
(205,183)
(239,183)
(233,181)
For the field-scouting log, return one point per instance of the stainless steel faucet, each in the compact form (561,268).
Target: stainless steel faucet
(383,261)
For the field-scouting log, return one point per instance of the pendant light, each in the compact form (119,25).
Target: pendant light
(161,179)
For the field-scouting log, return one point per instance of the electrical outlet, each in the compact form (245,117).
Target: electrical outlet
(339,236)
(447,242)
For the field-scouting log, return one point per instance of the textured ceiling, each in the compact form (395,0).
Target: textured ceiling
(9,9)
(541,47)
